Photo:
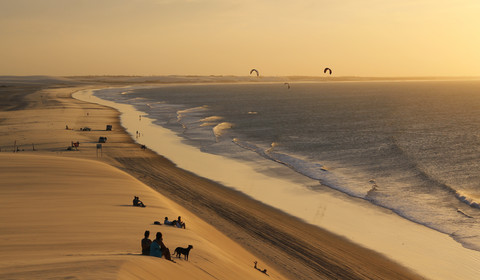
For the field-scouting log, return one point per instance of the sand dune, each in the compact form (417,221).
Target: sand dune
(65,217)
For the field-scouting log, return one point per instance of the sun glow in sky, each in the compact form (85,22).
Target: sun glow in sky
(229,37)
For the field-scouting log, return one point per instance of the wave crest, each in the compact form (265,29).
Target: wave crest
(312,170)
(220,129)
(468,199)
(182,113)
(211,119)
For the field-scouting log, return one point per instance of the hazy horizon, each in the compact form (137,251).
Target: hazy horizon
(371,38)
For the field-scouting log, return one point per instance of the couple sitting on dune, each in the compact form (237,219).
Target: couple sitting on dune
(155,248)
(178,223)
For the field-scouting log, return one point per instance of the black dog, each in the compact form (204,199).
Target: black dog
(185,251)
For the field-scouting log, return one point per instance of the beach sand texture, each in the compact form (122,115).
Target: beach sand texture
(65,217)
(68,213)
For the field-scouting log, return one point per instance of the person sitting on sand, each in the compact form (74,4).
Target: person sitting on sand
(180,223)
(138,202)
(158,249)
(146,242)
(167,222)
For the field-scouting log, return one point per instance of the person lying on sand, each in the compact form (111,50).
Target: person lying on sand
(178,223)
(158,249)
(146,242)
(167,222)
(263,271)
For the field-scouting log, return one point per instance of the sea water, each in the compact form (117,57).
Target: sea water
(412,147)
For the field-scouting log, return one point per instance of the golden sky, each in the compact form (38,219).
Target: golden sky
(229,37)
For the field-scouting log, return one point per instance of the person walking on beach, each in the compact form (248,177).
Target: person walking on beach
(158,249)
(146,242)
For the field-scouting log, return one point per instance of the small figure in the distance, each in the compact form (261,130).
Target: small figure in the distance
(167,222)
(180,223)
(137,202)
(262,271)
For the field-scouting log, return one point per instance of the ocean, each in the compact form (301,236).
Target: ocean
(409,146)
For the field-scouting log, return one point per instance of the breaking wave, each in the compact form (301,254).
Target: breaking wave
(181,114)
(467,199)
(220,129)
(312,170)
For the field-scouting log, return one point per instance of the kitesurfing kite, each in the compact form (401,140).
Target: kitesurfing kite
(254,70)
(327,69)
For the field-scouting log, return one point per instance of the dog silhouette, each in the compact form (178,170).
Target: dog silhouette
(179,251)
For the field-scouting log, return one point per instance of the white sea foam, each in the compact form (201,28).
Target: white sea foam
(468,199)
(272,146)
(211,119)
(313,170)
(221,128)
(185,112)
(250,147)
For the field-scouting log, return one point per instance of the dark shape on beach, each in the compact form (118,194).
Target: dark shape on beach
(254,70)
(74,145)
(137,202)
(263,271)
(146,242)
(179,251)
(287,84)
(327,69)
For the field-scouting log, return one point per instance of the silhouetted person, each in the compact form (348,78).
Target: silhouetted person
(180,223)
(138,202)
(263,271)
(167,222)
(158,249)
(146,242)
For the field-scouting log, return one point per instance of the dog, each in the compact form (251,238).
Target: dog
(185,251)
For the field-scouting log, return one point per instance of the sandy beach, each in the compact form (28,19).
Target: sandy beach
(70,213)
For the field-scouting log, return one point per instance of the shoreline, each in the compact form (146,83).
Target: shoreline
(295,249)
(376,228)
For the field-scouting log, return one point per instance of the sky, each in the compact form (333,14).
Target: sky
(369,38)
